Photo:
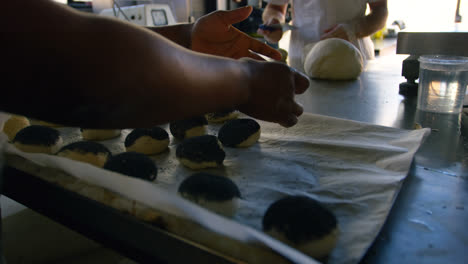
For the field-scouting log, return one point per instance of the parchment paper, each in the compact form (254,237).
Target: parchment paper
(354,169)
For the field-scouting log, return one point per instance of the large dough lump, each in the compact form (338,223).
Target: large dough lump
(334,59)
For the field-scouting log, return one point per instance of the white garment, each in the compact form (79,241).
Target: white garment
(313,17)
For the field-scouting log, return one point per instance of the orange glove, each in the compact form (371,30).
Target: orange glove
(214,34)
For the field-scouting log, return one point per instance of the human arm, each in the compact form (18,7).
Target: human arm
(361,26)
(214,34)
(76,69)
(181,34)
(273,14)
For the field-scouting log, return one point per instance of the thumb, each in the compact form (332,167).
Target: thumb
(301,82)
(236,15)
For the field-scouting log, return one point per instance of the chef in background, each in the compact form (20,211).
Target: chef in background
(321,19)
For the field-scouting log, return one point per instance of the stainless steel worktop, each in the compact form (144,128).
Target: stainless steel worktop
(426,224)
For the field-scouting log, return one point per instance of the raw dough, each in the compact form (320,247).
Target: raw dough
(201,152)
(303,223)
(38,139)
(99,134)
(147,141)
(187,128)
(48,124)
(221,116)
(133,164)
(216,193)
(14,124)
(86,151)
(334,59)
(239,133)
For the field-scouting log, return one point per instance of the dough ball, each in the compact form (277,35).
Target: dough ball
(14,124)
(99,134)
(188,128)
(221,116)
(86,151)
(200,152)
(133,164)
(303,223)
(147,140)
(215,193)
(239,133)
(48,124)
(334,59)
(38,139)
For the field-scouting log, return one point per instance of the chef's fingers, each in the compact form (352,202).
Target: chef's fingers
(330,28)
(288,111)
(235,16)
(289,121)
(264,49)
(255,56)
(301,81)
(298,109)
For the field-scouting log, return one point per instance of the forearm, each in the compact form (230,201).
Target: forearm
(100,72)
(179,33)
(374,21)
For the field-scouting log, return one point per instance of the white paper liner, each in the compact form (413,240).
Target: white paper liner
(355,169)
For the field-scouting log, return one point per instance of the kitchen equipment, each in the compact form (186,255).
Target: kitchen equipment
(442,83)
(143,15)
(427,43)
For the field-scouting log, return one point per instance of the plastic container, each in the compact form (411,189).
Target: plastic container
(442,83)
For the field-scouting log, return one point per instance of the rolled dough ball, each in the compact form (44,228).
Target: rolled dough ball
(200,152)
(99,134)
(86,151)
(239,133)
(14,124)
(48,124)
(188,128)
(334,59)
(216,193)
(221,116)
(38,139)
(147,141)
(303,223)
(133,164)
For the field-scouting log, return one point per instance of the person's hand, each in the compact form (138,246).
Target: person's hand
(272,89)
(214,34)
(272,36)
(337,31)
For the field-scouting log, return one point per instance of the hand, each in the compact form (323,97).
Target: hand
(271,36)
(336,31)
(214,34)
(272,91)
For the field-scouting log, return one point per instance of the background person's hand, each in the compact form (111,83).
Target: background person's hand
(272,36)
(336,31)
(214,34)
(272,92)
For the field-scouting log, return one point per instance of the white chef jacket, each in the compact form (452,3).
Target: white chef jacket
(313,17)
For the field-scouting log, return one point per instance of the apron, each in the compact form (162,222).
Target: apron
(313,17)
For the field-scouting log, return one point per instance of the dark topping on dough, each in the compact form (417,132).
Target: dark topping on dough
(156,133)
(37,135)
(178,128)
(133,164)
(236,131)
(299,218)
(209,187)
(201,149)
(86,147)
(220,114)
